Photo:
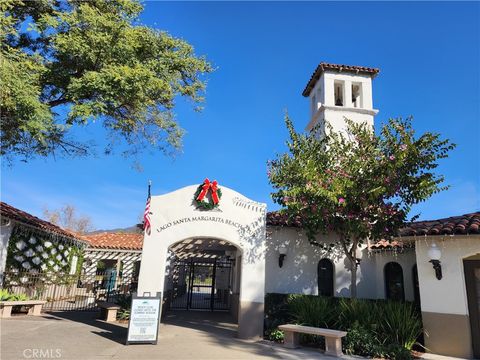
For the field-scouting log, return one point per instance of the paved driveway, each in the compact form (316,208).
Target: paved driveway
(183,335)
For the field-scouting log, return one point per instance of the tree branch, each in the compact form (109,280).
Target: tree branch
(345,249)
(57,102)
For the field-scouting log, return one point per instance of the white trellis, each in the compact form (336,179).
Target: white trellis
(127,257)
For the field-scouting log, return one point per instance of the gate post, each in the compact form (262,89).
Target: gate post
(54,294)
(212,292)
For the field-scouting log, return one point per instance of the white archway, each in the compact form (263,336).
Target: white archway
(237,220)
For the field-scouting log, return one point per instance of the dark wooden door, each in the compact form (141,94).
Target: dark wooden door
(472,283)
(325,277)
(394,281)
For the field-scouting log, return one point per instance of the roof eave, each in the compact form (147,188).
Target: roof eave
(322,68)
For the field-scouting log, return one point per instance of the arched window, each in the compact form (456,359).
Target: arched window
(325,277)
(416,285)
(394,281)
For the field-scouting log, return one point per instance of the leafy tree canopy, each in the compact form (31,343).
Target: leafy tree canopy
(357,184)
(67,63)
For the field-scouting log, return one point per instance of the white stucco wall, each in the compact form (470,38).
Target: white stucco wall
(299,271)
(335,116)
(237,220)
(448,295)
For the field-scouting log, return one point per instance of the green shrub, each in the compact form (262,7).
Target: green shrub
(7,296)
(401,324)
(276,312)
(394,352)
(377,328)
(276,335)
(123,314)
(365,313)
(19,297)
(4,295)
(124,301)
(360,341)
(317,311)
(312,310)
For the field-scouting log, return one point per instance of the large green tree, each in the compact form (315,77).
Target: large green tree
(356,184)
(66,63)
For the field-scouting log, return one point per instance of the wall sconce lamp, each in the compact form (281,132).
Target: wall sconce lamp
(282,250)
(358,255)
(434,253)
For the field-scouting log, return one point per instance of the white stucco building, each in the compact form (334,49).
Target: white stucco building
(211,248)
(229,255)
(450,295)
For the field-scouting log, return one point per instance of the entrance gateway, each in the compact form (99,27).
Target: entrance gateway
(201,285)
(207,254)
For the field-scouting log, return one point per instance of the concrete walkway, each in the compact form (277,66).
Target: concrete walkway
(183,335)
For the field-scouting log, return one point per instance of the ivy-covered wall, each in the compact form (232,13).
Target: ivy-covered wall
(33,250)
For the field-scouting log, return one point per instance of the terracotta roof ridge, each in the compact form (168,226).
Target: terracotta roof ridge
(116,240)
(475,213)
(323,66)
(28,219)
(460,224)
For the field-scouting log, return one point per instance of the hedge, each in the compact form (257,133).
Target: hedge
(376,328)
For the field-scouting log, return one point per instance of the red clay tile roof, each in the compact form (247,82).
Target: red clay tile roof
(337,67)
(120,241)
(387,245)
(23,217)
(277,218)
(454,225)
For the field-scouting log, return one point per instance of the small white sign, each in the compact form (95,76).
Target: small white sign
(144,315)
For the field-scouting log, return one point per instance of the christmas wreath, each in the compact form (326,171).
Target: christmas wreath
(202,201)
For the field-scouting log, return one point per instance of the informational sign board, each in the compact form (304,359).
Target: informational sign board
(144,319)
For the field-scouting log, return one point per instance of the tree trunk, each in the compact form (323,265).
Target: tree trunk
(351,255)
(353,284)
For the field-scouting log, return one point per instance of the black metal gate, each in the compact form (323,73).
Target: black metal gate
(201,285)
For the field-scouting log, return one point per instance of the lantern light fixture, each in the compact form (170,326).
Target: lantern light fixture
(435,254)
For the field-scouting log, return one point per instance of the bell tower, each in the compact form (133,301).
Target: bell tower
(337,92)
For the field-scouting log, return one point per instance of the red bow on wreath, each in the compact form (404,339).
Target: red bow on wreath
(207,185)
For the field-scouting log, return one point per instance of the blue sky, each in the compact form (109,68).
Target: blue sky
(265,52)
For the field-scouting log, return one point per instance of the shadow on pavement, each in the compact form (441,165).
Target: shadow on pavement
(214,323)
(112,331)
(220,329)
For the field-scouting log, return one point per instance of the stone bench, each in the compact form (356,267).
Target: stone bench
(333,338)
(108,311)
(35,307)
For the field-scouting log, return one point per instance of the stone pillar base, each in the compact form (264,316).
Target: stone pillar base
(333,346)
(250,320)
